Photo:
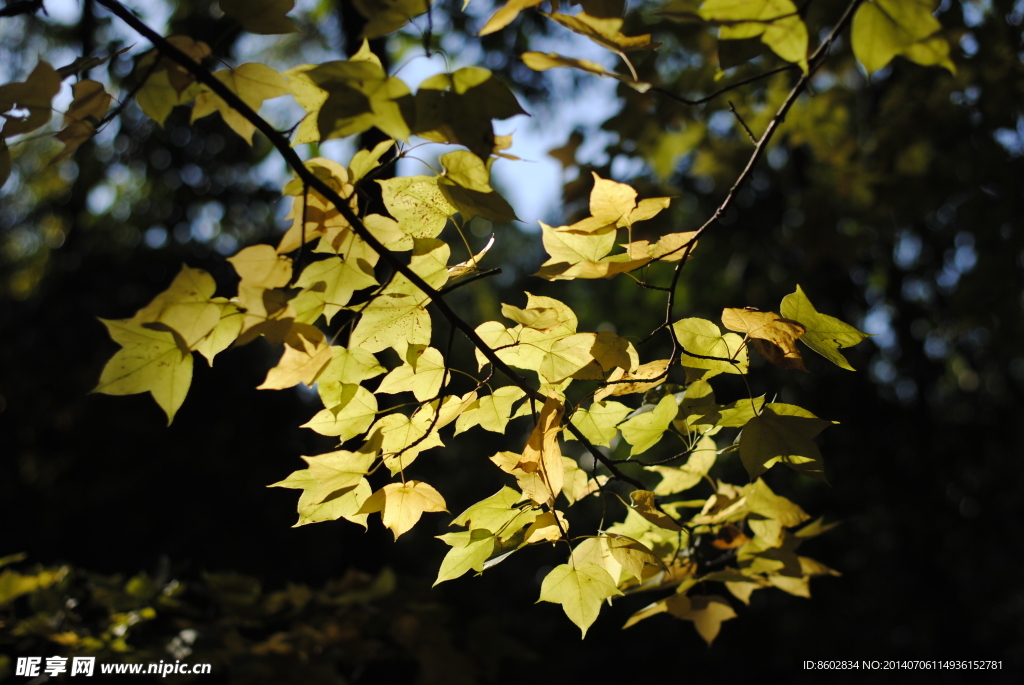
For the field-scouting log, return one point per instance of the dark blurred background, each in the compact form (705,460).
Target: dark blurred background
(895,202)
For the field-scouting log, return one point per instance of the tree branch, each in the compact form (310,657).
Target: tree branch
(295,162)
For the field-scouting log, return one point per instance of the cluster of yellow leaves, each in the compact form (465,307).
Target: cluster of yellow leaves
(659,544)
(752,525)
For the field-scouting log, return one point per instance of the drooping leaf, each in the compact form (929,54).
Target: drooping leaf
(824,334)
(90,104)
(418,204)
(542,455)
(605,31)
(506,15)
(645,504)
(539,61)
(580,589)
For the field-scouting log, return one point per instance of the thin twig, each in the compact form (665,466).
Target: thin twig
(708,98)
(750,134)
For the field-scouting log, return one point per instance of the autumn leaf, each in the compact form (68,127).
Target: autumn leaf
(776,22)
(253,83)
(338,470)
(606,32)
(824,334)
(33,95)
(782,433)
(498,513)
(679,478)
(423,374)
(701,338)
(539,61)
(506,15)
(771,335)
(542,454)
(150,361)
(90,104)
(599,423)
(645,429)
(883,29)
(645,504)
(580,589)
(350,411)
(469,550)
(491,412)
(301,362)
(403,504)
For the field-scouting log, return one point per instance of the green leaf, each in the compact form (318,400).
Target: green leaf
(252,83)
(423,374)
(458,108)
(883,29)
(644,430)
(703,337)
(338,470)
(350,411)
(776,22)
(498,514)
(599,423)
(150,361)
(580,589)
(469,550)
(824,334)
(491,412)
(678,479)
(761,500)
(782,433)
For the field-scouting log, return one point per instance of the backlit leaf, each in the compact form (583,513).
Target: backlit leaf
(776,22)
(469,550)
(643,431)
(580,589)
(252,83)
(599,423)
(677,479)
(33,95)
(824,334)
(883,29)
(403,504)
(782,433)
(704,338)
(771,335)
